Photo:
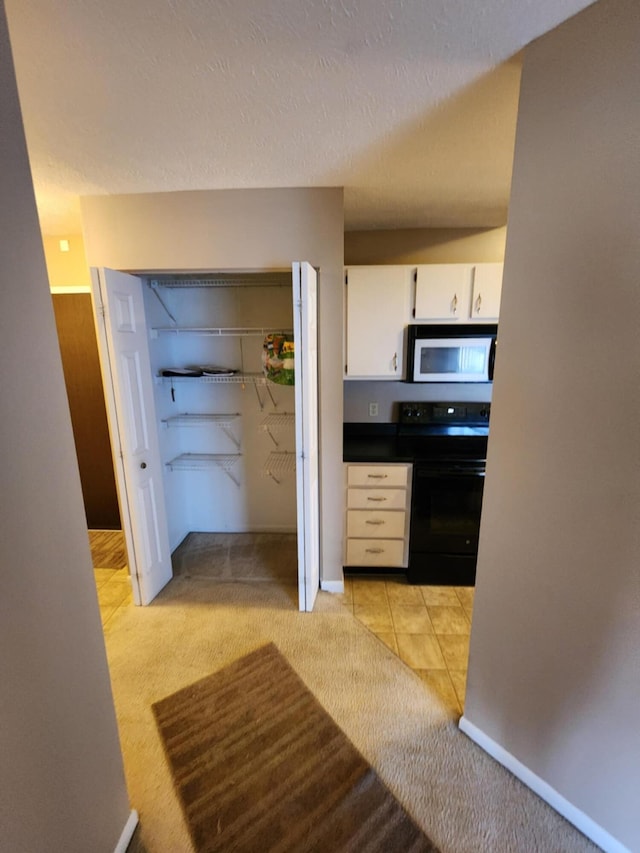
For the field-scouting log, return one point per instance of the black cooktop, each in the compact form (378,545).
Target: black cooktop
(424,431)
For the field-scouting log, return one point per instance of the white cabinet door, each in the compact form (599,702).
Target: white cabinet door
(126,372)
(487,288)
(377,310)
(305,296)
(442,292)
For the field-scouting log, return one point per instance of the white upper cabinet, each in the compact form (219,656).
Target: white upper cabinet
(442,292)
(462,293)
(486,291)
(378,303)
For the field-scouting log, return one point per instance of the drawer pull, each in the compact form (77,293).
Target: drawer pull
(377,500)
(374,551)
(377,476)
(376,521)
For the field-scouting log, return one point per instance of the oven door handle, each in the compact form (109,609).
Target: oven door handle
(432,473)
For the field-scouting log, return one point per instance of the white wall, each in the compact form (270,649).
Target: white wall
(554,670)
(61,775)
(245,230)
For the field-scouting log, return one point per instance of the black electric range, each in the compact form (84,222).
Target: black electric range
(447,445)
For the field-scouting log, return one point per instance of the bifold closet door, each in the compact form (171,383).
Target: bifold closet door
(126,371)
(305,301)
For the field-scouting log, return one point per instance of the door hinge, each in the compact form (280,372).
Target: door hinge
(346,278)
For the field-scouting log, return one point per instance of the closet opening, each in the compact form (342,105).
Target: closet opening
(222,348)
(211,387)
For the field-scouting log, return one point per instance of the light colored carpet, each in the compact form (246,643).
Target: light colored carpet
(238,556)
(463,800)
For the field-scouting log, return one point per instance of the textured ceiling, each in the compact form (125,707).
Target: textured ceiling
(408,104)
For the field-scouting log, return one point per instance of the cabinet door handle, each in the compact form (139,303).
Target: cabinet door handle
(374,551)
(378,476)
(478,303)
(376,521)
(377,500)
(395,361)
(454,304)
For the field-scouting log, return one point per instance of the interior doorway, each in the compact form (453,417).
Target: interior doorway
(81,365)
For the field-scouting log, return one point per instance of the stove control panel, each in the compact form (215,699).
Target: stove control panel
(444,413)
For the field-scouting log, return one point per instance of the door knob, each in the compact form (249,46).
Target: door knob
(143,465)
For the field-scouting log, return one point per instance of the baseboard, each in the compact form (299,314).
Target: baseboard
(127,833)
(578,818)
(336,587)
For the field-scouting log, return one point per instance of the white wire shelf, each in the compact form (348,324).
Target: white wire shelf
(275,422)
(219,332)
(204,461)
(242,378)
(222,422)
(225,280)
(279,464)
(254,379)
(186,419)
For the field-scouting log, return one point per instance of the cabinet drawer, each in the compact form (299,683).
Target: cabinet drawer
(377,475)
(380,525)
(375,552)
(376,498)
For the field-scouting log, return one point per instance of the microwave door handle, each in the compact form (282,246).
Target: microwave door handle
(492,358)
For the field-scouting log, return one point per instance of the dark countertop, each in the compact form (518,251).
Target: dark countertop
(365,442)
(371,443)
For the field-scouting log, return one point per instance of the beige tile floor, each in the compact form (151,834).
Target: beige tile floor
(428,627)
(114,591)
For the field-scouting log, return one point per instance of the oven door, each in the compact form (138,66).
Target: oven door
(445,521)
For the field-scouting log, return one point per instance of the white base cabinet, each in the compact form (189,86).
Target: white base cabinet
(378,506)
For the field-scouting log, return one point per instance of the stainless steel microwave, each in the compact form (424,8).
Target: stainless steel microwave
(446,353)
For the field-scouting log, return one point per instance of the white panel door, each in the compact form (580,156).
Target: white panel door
(124,356)
(305,301)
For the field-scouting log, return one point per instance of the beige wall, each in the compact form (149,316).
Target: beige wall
(425,246)
(66,269)
(554,671)
(245,230)
(61,776)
